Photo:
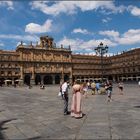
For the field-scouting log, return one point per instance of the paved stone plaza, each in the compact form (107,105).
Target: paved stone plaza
(38,114)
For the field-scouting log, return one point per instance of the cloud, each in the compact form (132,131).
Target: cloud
(131,37)
(82,31)
(19,37)
(74,43)
(9,4)
(86,46)
(36,28)
(71,7)
(106,20)
(135,11)
(110,33)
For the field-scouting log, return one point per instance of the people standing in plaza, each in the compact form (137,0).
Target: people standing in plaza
(98,86)
(84,89)
(88,86)
(93,87)
(65,96)
(76,101)
(121,87)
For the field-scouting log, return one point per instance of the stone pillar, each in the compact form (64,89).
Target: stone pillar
(71,77)
(137,78)
(131,77)
(21,75)
(42,77)
(53,78)
(33,76)
(62,73)
(13,81)
(114,79)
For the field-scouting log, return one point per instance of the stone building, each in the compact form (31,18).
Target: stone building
(45,63)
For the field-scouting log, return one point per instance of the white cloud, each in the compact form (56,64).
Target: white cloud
(8,3)
(131,37)
(36,28)
(135,11)
(87,46)
(110,33)
(82,31)
(106,20)
(19,37)
(74,43)
(71,7)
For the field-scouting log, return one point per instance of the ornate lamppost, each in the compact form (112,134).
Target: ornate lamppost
(101,50)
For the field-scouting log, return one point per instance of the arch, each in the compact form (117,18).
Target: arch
(27,79)
(110,77)
(9,82)
(66,77)
(57,79)
(48,80)
(134,77)
(2,81)
(37,79)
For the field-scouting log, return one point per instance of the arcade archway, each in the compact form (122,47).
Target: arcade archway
(37,79)
(2,81)
(48,80)
(27,79)
(66,77)
(57,79)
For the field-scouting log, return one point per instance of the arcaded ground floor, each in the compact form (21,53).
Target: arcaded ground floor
(38,114)
(57,78)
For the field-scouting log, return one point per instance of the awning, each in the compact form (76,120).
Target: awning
(18,80)
(8,80)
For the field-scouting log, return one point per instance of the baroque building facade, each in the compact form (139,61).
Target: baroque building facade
(45,63)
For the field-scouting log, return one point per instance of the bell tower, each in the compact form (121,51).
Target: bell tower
(46,42)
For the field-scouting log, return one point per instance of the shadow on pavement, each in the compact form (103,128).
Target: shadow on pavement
(3,128)
(137,106)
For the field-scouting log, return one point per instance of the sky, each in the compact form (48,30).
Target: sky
(80,24)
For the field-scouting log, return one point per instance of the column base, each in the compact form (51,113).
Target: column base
(21,83)
(32,82)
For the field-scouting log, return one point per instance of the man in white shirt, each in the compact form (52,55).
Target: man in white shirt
(65,96)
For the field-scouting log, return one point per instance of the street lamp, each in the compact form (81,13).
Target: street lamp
(101,50)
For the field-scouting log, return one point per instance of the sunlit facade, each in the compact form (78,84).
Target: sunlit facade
(45,63)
